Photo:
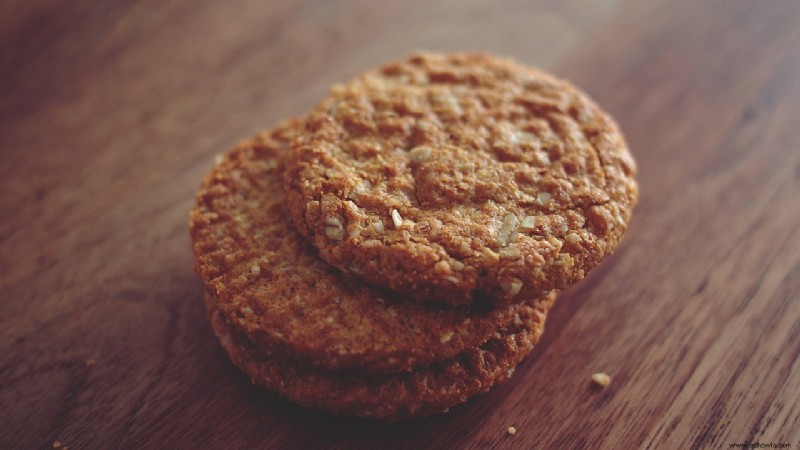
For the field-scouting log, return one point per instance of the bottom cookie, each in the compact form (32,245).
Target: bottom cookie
(392,396)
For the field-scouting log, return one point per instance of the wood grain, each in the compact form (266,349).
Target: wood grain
(111,112)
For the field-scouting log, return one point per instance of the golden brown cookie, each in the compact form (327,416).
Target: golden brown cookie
(270,283)
(387,397)
(459,177)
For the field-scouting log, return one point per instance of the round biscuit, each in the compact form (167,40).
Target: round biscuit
(387,397)
(461,177)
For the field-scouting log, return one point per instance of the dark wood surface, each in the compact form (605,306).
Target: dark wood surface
(111,112)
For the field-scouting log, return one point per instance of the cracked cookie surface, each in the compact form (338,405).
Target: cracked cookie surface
(459,177)
(269,282)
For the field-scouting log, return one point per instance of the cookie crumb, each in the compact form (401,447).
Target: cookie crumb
(89,363)
(601,379)
(56,444)
(512,431)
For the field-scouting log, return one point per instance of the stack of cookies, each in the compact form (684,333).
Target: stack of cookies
(395,252)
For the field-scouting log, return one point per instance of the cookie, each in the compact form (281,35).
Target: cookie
(387,397)
(461,178)
(271,284)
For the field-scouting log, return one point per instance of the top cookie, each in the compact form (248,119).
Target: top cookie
(463,176)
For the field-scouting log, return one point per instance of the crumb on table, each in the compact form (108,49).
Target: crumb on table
(601,379)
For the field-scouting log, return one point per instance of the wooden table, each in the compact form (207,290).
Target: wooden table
(111,112)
